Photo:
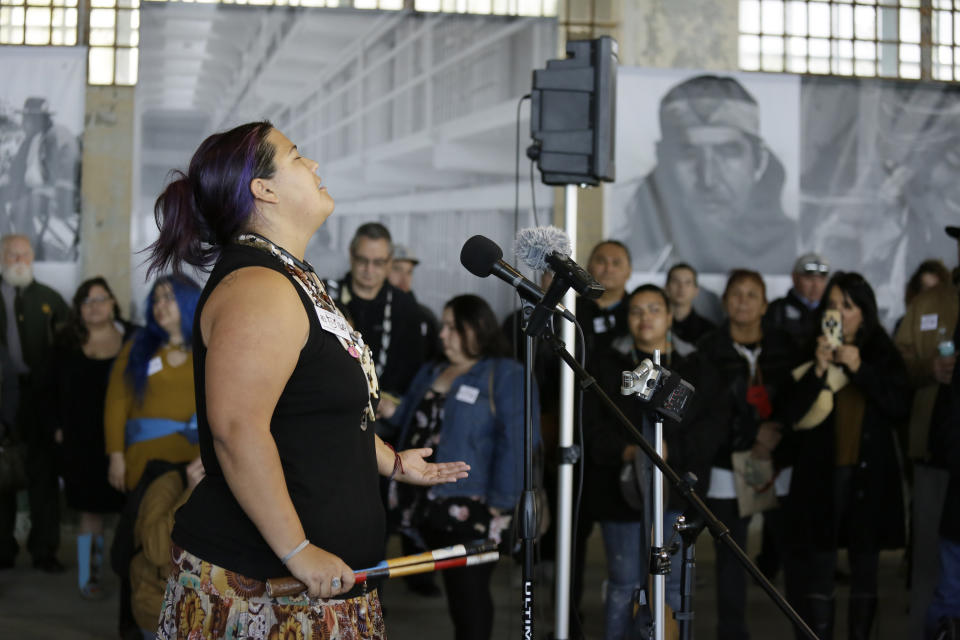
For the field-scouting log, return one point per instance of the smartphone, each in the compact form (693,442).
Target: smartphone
(832,327)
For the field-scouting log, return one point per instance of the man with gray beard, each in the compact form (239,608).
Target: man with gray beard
(29,314)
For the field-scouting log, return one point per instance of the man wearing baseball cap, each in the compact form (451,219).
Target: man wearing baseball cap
(401,276)
(927,340)
(794,312)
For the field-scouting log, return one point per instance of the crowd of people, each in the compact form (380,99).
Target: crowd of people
(273,423)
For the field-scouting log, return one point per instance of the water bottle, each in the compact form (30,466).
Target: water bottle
(945,347)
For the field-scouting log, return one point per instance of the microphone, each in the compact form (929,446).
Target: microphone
(549,248)
(534,244)
(482,256)
(670,394)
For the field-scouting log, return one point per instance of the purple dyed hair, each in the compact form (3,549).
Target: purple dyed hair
(211,204)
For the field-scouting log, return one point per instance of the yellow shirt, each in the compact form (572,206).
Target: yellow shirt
(168,394)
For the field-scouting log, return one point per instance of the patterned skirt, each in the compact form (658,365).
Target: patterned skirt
(207,602)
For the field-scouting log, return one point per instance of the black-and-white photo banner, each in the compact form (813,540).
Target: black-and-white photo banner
(41,126)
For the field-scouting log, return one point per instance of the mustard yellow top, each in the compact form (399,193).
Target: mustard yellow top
(168,394)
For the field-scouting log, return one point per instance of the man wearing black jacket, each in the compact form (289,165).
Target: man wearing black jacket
(793,313)
(30,312)
(617,476)
(388,318)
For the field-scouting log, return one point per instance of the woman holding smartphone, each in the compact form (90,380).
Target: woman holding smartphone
(846,490)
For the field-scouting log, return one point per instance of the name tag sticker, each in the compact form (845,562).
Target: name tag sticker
(599,324)
(928,322)
(333,323)
(467,394)
(155,365)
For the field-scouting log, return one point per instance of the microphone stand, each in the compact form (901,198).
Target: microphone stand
(657,568)
(718,530)
(689,532)
(527,511)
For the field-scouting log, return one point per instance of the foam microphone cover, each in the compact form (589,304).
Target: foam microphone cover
(533,245)
(479,254)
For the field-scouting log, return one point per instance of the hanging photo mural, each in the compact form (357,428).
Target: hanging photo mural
(750,170)
(41,122)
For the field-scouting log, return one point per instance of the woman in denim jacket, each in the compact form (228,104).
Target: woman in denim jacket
(468,407)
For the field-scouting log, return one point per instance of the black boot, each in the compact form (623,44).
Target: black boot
(863,607)
(820,612)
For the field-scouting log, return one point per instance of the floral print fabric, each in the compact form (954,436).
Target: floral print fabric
(207,602)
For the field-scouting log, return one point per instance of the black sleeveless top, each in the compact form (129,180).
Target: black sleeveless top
(328,462)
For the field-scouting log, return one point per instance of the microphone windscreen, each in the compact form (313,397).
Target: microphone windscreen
(533,245)
(479,254)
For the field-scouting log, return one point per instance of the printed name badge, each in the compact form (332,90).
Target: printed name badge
(333,323)
(155,365)
(599,324)
(928,322)
(467,394)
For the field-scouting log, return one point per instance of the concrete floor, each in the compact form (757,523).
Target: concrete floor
(39,606)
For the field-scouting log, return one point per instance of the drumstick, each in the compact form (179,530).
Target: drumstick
(425,567)
(444,553)
(446,558)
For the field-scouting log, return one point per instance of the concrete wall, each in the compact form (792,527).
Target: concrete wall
(107,187)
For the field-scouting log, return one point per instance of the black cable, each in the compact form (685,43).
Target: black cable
(533,197)
(516,227)
(516,181)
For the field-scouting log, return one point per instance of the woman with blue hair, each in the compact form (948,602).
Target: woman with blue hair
(150,410)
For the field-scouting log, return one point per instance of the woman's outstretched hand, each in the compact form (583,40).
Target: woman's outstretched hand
(416,470)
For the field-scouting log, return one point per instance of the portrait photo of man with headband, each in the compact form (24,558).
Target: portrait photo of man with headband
(716,190)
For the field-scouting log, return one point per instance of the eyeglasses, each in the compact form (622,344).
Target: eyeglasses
(97,300)
(815,268)
(379,263)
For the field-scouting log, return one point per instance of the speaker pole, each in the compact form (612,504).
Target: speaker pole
(567,459)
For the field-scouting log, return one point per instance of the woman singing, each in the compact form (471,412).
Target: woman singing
(285,394)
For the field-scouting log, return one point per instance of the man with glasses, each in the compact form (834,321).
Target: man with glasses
(390,321)
(388,318)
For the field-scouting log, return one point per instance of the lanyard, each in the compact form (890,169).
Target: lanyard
(307,278)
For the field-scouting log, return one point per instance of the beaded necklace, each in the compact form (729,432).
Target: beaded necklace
(351,340)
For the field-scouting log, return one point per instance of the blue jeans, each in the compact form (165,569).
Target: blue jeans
(946,599)
(628,547)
